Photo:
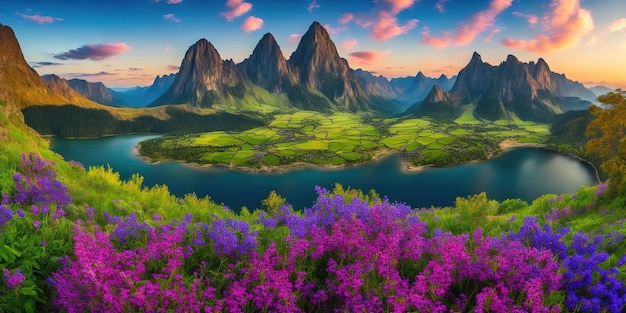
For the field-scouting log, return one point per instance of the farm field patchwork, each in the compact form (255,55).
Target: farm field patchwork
(343,138)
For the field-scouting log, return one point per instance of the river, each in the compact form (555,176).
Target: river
(524,173)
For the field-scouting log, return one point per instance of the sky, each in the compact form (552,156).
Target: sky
(125,43)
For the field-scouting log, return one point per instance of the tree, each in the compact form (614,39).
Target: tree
(607,138)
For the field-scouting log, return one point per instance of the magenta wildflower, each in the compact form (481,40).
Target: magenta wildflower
(13,280)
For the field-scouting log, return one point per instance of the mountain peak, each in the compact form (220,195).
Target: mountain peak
(512,59)
(267,66)
(476,58)
(420,75)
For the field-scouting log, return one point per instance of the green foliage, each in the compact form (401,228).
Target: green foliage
(607,138)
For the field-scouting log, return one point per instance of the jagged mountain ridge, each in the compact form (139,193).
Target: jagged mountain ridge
(315,77)
(529,91)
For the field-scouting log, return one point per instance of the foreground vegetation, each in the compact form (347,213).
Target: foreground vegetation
(75,239)
(344,138)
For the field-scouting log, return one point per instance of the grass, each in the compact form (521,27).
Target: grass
(313,137)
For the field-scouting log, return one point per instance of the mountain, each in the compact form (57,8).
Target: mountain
(202,79)
(601,90)
(511,90)
(319,67)
(20,85)
(267,67)
(374,85)
(60,86)
(98,92)
(411,89)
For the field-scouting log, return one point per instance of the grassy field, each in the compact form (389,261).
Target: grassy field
(343,138)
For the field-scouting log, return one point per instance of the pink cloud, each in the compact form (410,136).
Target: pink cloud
(237,9)
(564,26)
(252,23)
(617,25)
(349,44)
(439,42)
(346,18)
(294,37)
(387,27)
(439,6)
(40,19)
(332,30)
(492,32)
(313,5)
(364,22)
(530,18)
(174,1)
(468,30)
(367,56)
(94,52)
(171,17)
(173,67)
(399,5)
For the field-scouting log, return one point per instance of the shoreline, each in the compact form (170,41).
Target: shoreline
(406,166)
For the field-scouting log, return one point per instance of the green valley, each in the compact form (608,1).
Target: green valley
(344,138)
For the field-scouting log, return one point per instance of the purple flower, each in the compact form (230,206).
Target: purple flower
(20,213)
(5,215)
(13,280)
(36,223)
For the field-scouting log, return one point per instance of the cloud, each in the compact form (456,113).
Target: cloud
(492,33)
(173,67)
(294,37)
(367,56)
(346,18)
(349,44)
(42,64)
(135,69)
(169,1)
(439,42)
(332,30)
(40,19)
(237,9)
(94,52)
(399,5)
(468,30)
(171,17)
(102,73)
(364,22)
(530,18)
(439,6)
(617,25)
(251,24)
(313,5)
(564,27)
(387,27)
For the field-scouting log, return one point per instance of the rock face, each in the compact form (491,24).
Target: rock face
(375,85)
(318,66)
(529,91)
(203,76)
(20,85)
(60,86)
(267,67)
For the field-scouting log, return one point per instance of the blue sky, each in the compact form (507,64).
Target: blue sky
(128,43)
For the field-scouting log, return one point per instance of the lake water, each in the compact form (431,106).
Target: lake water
(524,173)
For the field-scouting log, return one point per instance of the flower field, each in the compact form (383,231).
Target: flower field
(349,252)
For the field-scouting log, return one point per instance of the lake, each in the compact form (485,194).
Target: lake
(524,173)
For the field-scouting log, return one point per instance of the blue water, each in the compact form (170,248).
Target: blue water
(523,173)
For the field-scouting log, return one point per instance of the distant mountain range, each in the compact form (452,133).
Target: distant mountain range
(315,77)
(509,91)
